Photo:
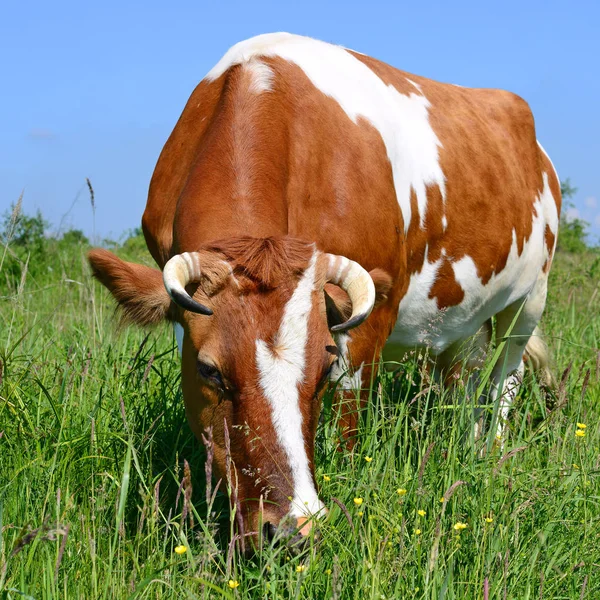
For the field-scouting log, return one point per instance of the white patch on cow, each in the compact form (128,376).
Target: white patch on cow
(341,371)
(260,45)
(444,222)
(549,209)
(420,322)
(178,329)
(281,371)
(402,120)
(417,312)
(262,76)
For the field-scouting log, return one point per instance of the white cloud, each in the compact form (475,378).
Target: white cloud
(572,213)
(591,202)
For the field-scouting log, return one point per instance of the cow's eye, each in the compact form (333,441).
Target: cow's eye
(210,373)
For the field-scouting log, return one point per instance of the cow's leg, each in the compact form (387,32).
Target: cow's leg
(514,327)
(462,362)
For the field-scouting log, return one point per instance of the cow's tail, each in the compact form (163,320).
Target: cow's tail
(537,356)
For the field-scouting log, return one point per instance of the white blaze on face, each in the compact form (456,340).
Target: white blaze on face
(402,120)
(280,374)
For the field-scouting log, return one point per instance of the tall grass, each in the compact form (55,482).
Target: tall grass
(95,496)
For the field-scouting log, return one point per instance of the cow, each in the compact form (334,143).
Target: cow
(310,203)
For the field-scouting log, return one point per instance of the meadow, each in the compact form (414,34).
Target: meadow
(103,491)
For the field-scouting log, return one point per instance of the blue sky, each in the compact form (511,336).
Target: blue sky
(94,89)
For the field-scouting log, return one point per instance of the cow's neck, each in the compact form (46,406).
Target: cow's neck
(238,183)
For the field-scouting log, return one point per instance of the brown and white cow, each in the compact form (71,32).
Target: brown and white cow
(296,169)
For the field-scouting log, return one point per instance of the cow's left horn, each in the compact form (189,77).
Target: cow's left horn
(178,272)
(357,283)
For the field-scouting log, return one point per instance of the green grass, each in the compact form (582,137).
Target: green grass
(94,438)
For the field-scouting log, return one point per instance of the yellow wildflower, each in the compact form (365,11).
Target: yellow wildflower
(421,512)
(417,532)
(581,425)
(460,526)
(580,433)
(368,458)
(233,584)
(326,478)
(300,568)
(575,466)
(401,492)
(328,571)
(360,513)
(442,499)
(180,549)
(489,519)
(358,501)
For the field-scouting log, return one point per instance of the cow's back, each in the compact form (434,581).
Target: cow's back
(444,187)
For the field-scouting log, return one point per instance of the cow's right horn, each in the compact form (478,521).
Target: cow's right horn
(357,283)
(180,270)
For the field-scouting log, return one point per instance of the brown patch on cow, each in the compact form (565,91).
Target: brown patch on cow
(174,164)
(389,75)
(237,183)
(446,289)
(425,242)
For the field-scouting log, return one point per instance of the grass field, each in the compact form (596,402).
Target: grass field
(93,440)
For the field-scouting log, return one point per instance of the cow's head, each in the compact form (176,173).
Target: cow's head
(257,350)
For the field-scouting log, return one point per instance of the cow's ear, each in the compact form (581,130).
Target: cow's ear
(139,290)
(383,284)
(337,302)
